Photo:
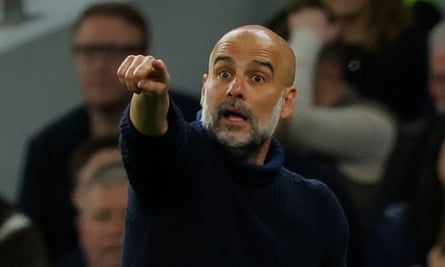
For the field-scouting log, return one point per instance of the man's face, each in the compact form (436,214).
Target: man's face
(101,224)
(437,77)
(244,92)
(100,44)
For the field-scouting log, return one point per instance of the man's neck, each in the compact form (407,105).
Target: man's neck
(105,122)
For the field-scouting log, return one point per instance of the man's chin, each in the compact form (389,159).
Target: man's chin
(233,139)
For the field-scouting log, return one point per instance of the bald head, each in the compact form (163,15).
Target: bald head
(264,42)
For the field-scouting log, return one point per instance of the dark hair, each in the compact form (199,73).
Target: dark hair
(428,206)
(24,245)
(124,11)
(333,52)
(84,152)
(388,19)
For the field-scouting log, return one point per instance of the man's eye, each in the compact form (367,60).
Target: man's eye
(258,78)
(224,74)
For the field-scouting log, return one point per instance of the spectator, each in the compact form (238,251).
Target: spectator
(402,168)
(378,34)
(103,35)
(330,119)
(100,198)
(21,243)
(408,231)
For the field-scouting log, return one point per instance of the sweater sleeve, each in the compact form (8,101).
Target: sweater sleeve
(148,159)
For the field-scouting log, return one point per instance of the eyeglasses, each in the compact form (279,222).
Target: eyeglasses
(109,51)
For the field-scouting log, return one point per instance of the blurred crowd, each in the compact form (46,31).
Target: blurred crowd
(368,122)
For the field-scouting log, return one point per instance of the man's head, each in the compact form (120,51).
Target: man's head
(437,66)
(248,88)
(100,197)
(102,36)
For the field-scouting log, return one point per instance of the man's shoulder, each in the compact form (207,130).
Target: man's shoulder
(73,122)
(307,187)
(187,103)
(297,178)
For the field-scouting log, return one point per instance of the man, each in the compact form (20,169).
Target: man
(214,192)
(403,165)
(100,197)
(102,36)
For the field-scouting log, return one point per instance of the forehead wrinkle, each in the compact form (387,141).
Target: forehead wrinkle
(262,44)
(261,56)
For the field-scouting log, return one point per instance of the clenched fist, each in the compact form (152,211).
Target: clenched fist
(148,77)
(144,74)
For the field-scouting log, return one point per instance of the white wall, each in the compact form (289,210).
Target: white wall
(38,82)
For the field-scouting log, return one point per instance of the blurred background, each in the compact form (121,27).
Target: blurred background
(37,77)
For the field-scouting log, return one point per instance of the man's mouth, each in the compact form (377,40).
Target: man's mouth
(234,115)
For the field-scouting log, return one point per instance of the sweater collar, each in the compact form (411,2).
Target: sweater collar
(253,174)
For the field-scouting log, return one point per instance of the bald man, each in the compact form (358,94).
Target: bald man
(214,192)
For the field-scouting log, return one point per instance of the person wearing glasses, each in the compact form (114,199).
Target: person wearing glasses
(102,36)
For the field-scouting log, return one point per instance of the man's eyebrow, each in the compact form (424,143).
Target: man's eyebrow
(223,58)
(263,63)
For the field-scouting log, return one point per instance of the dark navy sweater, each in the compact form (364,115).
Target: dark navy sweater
(191,204)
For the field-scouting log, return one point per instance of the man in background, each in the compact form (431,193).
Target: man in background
(103,35)
(100,197)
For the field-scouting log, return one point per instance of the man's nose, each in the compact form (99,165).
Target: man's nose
(235,88)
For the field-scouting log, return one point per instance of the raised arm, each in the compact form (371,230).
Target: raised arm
(358,135)
(149,79)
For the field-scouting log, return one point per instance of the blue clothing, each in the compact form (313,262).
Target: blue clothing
(389,243)
(192,204)
(312,166)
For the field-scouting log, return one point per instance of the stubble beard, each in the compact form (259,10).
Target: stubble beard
(260,131)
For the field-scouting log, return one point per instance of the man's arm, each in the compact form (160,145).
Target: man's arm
(149,79)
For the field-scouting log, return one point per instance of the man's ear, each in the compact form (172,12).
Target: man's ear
(203,88)
(290,95)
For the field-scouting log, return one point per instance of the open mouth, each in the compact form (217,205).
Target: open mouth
(234,115)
